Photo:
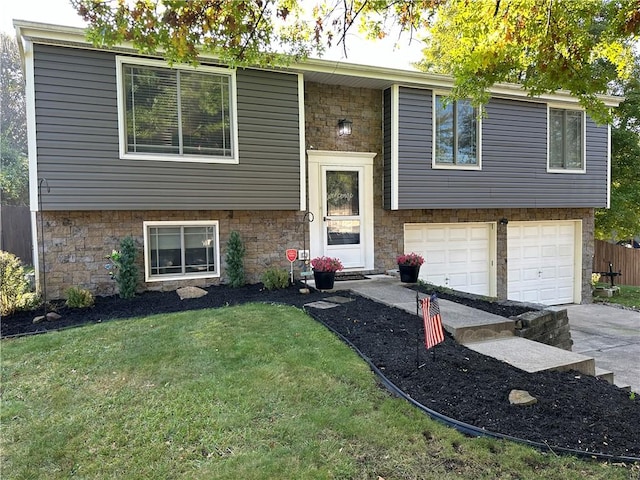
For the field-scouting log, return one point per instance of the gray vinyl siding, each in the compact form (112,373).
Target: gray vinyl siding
(77,144)
(514,161)
(386,99)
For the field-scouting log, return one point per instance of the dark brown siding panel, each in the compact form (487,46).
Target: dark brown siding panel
(77,139)
(514,161)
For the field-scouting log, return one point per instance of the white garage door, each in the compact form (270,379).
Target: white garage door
(457,255)
(542,261)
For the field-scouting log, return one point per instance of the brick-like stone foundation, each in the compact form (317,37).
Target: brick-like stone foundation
(76,244)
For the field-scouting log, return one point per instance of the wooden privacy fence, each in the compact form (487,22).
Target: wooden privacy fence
(15,228)
(624,260)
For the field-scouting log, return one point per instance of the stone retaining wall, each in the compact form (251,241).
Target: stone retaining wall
(549,326)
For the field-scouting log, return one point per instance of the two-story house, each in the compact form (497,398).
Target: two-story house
(500,203)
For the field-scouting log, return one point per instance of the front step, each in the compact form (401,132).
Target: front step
(469,325)
(532,356)
(604,375)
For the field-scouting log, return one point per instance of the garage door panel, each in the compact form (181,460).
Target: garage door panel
(541,261)
(459,234)
(435,235)
(456,255)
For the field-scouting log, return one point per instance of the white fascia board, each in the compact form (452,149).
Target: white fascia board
(30,104)
(609,166)
(395,135)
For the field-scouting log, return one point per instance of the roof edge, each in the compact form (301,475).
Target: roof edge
(29,30)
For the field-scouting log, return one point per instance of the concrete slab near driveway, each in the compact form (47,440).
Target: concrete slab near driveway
(611,335)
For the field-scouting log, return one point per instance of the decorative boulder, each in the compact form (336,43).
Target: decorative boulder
(190,292)
(522,398)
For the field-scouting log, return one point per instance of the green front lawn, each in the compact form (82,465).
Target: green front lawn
(629,296)
(257,391)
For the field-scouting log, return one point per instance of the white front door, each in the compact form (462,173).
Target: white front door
(342,214)
(341,200)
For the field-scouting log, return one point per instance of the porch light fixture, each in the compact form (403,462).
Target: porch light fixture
(344,127)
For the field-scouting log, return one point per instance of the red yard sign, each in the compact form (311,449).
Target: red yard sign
(292,254)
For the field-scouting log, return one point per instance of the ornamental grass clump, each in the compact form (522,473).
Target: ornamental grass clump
(326,264)
(410,259)
(275,279)
(79,298)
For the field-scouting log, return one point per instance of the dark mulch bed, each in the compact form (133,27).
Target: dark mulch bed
(573,411)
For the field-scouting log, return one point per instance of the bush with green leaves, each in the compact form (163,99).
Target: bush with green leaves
(14,286)
(235,260)
(79,298)
(123,268)
(275,278)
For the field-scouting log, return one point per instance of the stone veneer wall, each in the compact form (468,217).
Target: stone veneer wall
(76,244)
(326,104)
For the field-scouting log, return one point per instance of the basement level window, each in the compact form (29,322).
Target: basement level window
(181,250)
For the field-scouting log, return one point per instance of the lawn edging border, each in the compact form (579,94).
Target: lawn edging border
(466,428)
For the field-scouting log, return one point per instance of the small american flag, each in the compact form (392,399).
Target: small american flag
(433,333)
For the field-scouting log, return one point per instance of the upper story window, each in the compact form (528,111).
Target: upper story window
(457,134)
(566,140)
(176,114)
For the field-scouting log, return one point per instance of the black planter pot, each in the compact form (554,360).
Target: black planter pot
(324,280)
(409,273)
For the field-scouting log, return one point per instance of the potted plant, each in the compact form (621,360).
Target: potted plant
(409,266)
(324,271)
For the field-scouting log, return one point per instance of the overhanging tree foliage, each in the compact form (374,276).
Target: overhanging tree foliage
(14,167)
(545,45)
(622,220)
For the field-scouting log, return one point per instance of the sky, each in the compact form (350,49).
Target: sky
(60,12)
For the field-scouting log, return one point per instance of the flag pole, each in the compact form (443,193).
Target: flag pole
(418,332)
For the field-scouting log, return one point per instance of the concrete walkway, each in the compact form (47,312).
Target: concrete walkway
(611,336)
(608,334)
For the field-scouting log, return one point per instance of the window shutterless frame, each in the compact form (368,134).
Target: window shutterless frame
(455,143)
(176,149)
(566,140)
(177,262)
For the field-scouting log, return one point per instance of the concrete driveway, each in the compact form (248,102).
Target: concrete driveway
(611,336)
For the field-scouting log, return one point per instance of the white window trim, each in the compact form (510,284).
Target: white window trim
(122,113)
(439,166)
(196,223)
(551,169)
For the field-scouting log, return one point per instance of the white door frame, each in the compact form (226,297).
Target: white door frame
(350,160)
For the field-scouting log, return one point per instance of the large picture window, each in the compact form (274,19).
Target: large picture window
(566,142)
(176,250)
(176,114)
(456,134)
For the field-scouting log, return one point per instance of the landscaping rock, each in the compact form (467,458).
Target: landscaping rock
(521,398)
(190,292)
(39,319)
(53,316)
